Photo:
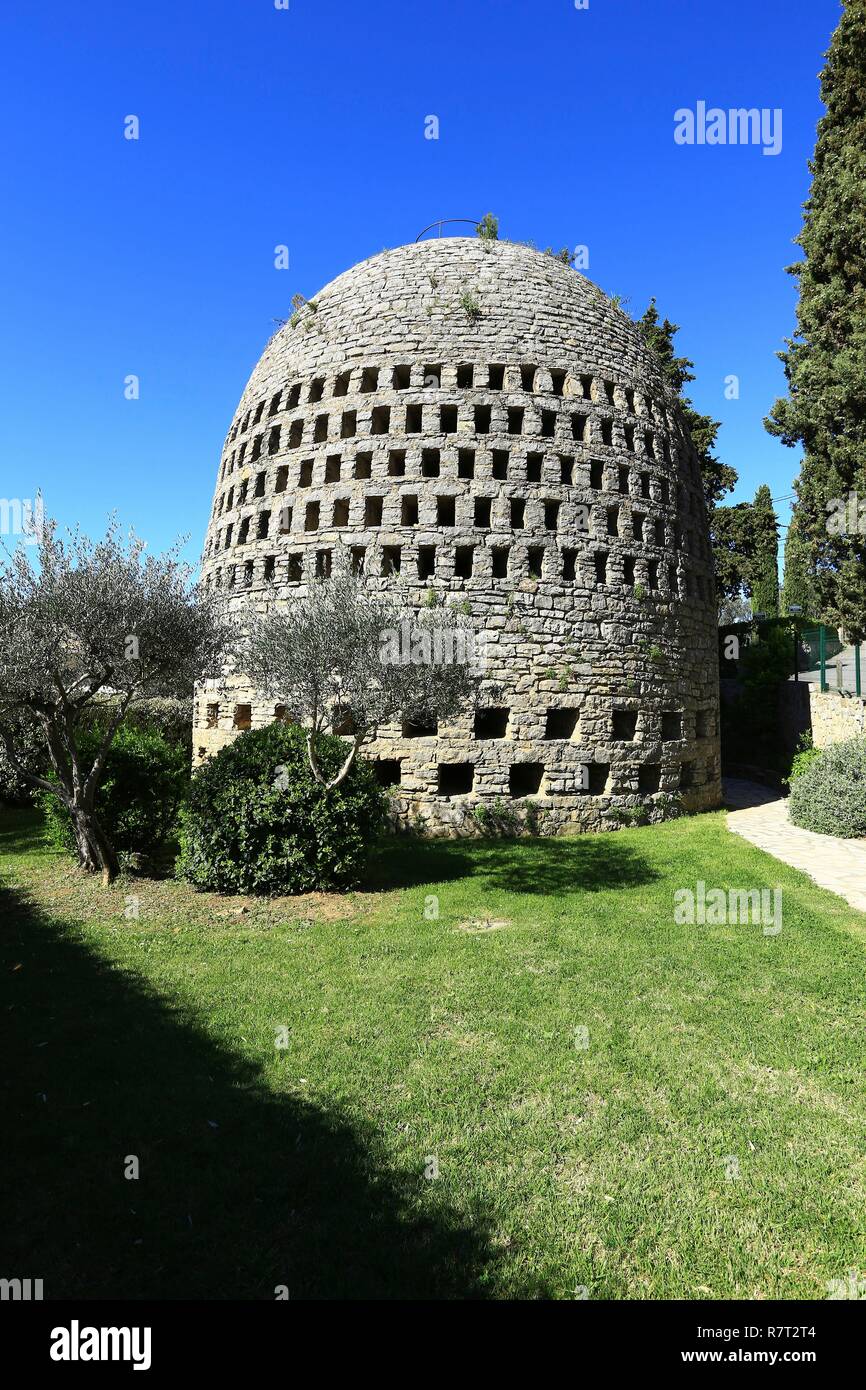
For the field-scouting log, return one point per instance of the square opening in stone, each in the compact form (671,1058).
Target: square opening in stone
(499,562)
(420,727)
(243,717)
(380,420)
(535,560)
(445,511)
(482,419)
(332,468)
(387,771)
(426,561)
(499,464)
(414,419)
(402,378)
(448,419)
(213,714)
(482,511)
(363,465)
(649,776)
(455,779)
(465,375)
(344,722)
(408,510)
(524,779)
(533,467)
(527,377)
(672,725)
(466,463)
(369,378)
(566,468)
(430,463)
(596,474)
(598,774)
(561,723)
(396,463)
(491,723)
(463,561)
(569,563)
(687,775)
(624,725)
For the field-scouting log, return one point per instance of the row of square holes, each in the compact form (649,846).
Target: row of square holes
(401,380)
(525,779)
(380,424)
(391,563)
(430,466)
(492,723)
(446,517)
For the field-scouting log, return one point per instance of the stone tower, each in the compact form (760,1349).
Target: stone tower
(476,419)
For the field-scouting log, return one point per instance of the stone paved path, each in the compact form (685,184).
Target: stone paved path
(761,817)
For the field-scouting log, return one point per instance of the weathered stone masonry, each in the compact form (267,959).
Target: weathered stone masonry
(451,413)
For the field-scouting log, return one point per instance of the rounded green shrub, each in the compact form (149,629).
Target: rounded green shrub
(256,821)
(829,795)
(138,799)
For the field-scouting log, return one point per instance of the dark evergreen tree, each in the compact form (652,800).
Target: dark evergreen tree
(718,478)
(798,583)
(763,578)
(825,361)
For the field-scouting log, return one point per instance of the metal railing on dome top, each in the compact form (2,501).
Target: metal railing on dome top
(818,654)
(446,222)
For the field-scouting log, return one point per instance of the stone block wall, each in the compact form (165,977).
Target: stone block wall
(835,716)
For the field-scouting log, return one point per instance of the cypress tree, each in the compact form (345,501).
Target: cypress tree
(798,585)
(718,478)
(764,564)
(825,361)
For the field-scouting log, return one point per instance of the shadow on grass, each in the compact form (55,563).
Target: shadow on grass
(579,864)
(240,1190)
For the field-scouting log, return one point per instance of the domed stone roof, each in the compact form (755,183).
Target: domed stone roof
(477,419)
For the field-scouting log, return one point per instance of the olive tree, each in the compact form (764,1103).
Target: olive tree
(86,621)
(345,654)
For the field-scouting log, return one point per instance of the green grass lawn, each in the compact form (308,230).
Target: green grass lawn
(711,1050)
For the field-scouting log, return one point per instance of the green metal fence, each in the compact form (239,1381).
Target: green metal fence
(817,653)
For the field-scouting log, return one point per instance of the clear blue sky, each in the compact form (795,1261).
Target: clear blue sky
(306,127)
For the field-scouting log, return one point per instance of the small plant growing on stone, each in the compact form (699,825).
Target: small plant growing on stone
(565,256)
(639,593)
(470,306)
(488,227)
